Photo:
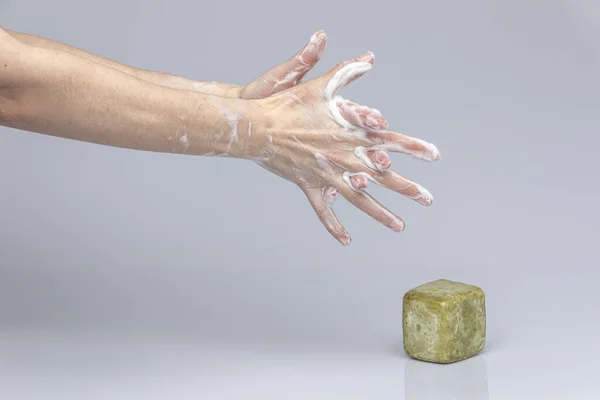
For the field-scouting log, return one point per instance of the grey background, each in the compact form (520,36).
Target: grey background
(125,273)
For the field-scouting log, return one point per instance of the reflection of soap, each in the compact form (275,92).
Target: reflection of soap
(465,381)
(443,321)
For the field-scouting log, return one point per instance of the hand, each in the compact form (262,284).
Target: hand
(277,79)
(328,146)
(288,74)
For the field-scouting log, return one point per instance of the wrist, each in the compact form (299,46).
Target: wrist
(220,89)
(248,125)
(227,127)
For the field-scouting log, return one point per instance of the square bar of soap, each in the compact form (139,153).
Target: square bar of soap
(443,321)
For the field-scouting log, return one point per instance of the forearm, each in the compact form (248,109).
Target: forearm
(159,78)
(57,93)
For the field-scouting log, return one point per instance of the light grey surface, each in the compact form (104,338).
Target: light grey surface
(125,273)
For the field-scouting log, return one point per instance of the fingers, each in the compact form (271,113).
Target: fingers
(387,178)
(360,116)
(374,165)
(309,55)
(398,183)
(346,72)
(288,74)
(347,114)
(394,141)
(377,160)
(350,115)
(372,207)
(322,201)
(292,71)
(357,181)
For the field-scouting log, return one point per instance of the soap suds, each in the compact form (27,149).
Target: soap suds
(339,80)
(184,141)
(322,161)
(347,177)
(431,153)
(330,195)
(361,153)
(345,75)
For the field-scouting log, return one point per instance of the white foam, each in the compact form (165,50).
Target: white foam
(322,161)
(339,80)
(345,75)
(361,153)
(432,153)
(347,176)
(330,195)
(184,141)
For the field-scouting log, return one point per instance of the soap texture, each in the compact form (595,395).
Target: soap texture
(443,321)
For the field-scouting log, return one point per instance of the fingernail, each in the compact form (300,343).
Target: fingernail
(318,37)
(435,153)
(432,154)
(322,37)
(317,34)
(375,120)
(314,48)
(380,159)
(321,44)
(397,226)
(345,240)
(359,182)
(426,201)
(367,57)
(425,197)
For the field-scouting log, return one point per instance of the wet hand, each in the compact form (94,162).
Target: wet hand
(328,145)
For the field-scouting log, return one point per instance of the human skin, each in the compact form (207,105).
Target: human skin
(275,80)
(307,133)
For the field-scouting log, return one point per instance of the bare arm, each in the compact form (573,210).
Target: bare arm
(53,92)
(159,78)
(308,134)
(279,78)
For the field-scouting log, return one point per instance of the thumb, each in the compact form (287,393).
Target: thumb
(289,73)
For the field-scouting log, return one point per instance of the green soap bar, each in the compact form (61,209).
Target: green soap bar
(443,321)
